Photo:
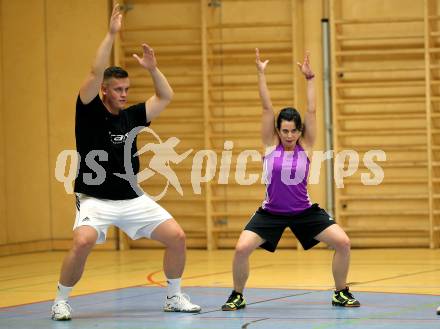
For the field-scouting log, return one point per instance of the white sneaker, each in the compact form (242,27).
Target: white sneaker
(180,303)
(61,311)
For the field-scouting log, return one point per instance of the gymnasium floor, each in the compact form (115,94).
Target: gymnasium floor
(288,289)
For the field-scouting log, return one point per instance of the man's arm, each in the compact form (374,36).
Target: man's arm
(92,84)
(309,136)
(268,117)
(162,90)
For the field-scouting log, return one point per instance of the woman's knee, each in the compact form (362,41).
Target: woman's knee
(244,249)
(343,244)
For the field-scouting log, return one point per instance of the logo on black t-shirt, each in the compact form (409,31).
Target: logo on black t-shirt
(118,139)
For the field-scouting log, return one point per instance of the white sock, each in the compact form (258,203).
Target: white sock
(173,287)
(63,292)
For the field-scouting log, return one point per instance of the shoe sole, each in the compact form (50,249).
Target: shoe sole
(62,319)
(341,305)
(233,309)
(180,311)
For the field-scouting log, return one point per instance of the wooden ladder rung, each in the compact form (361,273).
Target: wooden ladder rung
(349,53)
(180,214)
(249,25)
(384,197)
(382,132)
(378,69)
(387,20)
(382,213)
(227,229)
(237,198)
(380,84)
(375,116)
(386,148)
(158,44)
(383,100)
(256,42)
(230,214)
(235,135)
(379,37)
(391,230)
(250,87)
(393,180)
(150,28)
(238,119)
(176,119)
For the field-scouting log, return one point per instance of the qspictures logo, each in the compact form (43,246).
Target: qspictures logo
(164,157)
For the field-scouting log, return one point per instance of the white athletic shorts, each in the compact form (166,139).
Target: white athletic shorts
(129,215)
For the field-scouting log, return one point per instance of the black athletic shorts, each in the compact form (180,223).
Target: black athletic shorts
(305,225)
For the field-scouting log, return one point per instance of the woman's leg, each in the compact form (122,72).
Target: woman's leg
(336,238)
(246,244)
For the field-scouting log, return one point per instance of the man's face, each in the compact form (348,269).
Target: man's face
(115,92)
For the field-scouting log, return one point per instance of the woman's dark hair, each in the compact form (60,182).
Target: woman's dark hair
(115,72)
(289,114)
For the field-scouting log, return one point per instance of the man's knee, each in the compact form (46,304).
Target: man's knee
(83,242)
(176,239)
(180,236)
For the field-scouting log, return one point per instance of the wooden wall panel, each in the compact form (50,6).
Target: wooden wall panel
(208,53)
(234,105)
(432,78)
(74,31)
(379,103)
(385,78)
(173,29)
(3,222)
(311,13)
(25,121)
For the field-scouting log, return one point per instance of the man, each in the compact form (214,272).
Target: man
(105,198)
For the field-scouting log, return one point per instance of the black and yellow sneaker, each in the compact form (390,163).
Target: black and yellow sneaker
(235,302)
(344,298)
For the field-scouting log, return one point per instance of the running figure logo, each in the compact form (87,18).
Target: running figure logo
(164,153)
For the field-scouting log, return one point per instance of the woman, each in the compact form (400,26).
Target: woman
(287,203)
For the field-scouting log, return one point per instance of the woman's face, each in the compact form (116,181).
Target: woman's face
(289,134)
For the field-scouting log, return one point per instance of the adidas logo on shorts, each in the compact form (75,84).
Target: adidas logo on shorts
(86,219)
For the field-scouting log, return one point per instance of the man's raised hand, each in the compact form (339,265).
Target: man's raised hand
(148,59)
(115,19)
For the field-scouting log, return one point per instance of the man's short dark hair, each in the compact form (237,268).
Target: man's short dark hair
(115,72)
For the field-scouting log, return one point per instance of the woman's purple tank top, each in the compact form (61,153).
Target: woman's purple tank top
(286,175)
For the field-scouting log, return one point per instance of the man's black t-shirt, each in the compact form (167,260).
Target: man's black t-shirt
(97,130)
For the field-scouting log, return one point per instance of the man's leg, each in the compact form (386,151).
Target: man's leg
(84,238)
(172,236)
